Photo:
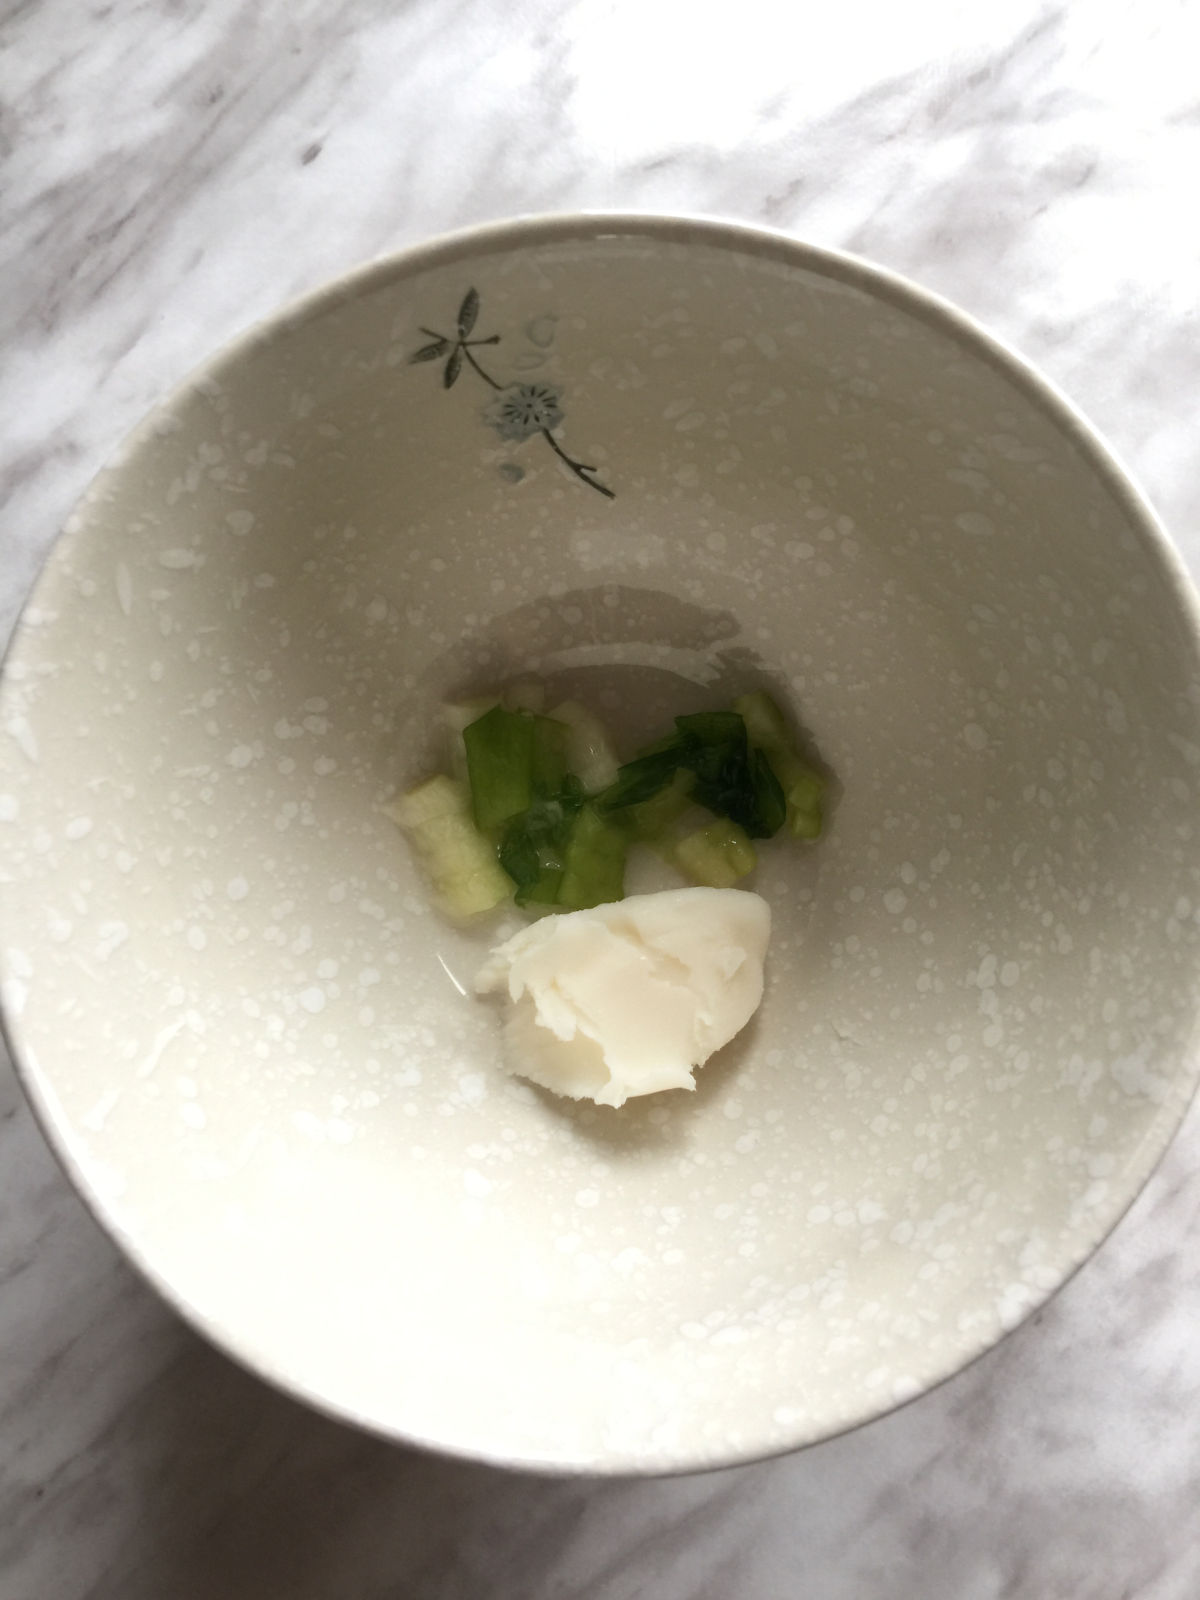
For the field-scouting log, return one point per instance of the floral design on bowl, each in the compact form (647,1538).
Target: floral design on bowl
(519,410)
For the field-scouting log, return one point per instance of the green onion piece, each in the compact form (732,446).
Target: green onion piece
(765,722)
(594,871)
(457,715)
(535,879)
(536,842)
(549,757)
(500,747)
(719,754)
(803,786)
(458,861)
(770,802)
(803,790)
(713,747)
(805,797)
(534,846)
(589,753)
(716,856)
(650,819)
(731,780)
(643,777)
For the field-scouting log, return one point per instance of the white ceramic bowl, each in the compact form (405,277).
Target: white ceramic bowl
(245,1031)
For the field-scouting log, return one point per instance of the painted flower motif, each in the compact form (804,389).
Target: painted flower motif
(523,409)
(519,410)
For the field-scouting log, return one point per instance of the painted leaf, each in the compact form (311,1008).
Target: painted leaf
(430,352)
(453,367)
(468,312)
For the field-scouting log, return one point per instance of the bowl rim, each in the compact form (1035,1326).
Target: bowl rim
(506,235)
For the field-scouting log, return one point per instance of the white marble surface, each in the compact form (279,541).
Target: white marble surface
(167,174)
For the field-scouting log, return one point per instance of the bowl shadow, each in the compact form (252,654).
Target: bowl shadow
(247,1493)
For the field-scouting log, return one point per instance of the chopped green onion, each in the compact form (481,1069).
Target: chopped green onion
(643,777)
(650,819)
(499,766)
(802,785)
(534,846)
(765,724)
(718,752)
(726,779)
(770,803)
(715,856)
(530,777)
(805,791)
(456,716)
(589,754)
(595,864)
(513,759)
(549,757)
(458,861)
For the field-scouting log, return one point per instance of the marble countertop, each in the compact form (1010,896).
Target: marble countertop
(169,173)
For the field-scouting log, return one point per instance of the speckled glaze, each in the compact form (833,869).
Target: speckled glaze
(252,1042)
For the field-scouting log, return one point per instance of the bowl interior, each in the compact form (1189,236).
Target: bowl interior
(247,1031)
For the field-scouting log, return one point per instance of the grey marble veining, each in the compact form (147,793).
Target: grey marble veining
(169,173)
